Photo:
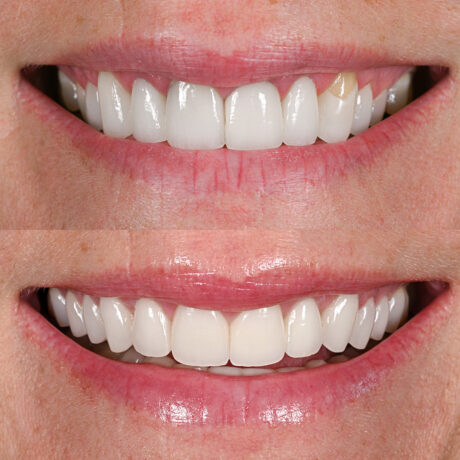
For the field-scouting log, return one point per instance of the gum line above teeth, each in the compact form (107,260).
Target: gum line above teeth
(252,117)
(206,338)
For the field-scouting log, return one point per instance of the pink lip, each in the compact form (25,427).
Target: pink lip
(184,397)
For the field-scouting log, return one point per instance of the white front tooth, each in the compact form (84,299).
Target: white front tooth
(81,97)
(148,107)
(253,117)
(336,106)
(378,107)
(199,337)
(381,319)
(300,111)
(115,104)
(93,109)
(250,371)
(363,110)
(93,320)
(398,305)
(68,91)
(151,329)
(75,315)
(118,323)
(194,117)
(362,327)
(399,94)
(226,370)
(132,356)
(56,305)
(338,319)
(303,329)
(315,363)
(257,337)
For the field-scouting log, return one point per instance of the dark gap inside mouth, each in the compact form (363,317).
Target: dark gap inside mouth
(421,294)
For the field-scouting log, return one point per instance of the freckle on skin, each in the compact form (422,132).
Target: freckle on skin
(83,247)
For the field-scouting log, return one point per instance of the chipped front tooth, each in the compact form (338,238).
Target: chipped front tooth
(92,107)
(303,329)
(75,315)
(399,94)
(363,110)
(336,107)
(115,104)
(378,107)
(148,107)
(68,91)
(363,324)
(93,320)
(398,305)
(199,337)
(257,337)
(338,319)
(253,117)
(81,98)
(194,117)
(300,111)
(56,305)
(381,319)
(151,329)
(118,323)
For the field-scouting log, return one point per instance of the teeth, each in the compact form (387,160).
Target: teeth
(398,305)
(75,315)
(378,107)
(199,337)
(363,111)
(81,99)
(148,107)
(56,304)
(253,117)
(132,356)
(118,322)
(92,107)
(115,104)
(336,107)
(151,329)
(300,110)
(399,94)
(195,117)
(315,363)
(68,91)
(381,319)
(257,337)
(363,324)
(93,320)
(303,328)
(338,320)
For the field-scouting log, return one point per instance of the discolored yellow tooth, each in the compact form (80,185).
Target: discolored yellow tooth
(343,84)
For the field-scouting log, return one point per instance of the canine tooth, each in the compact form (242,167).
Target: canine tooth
(148,107)
(164,361)
(253,117)
(381,319)
(199,337)
(92,107)
(81,98)
(68,91)
(363,110)
(226,370)
(303,328)
(194,117)
(56,304)
(93,320)
(399,94)
(118,322)
(257,337)
(300,111)
(336,106)
(363,324)
(398,305)
(315,363)
(249,371)
(132,356)
(115,104)
(151,329)
(75,315)
(338,320)
(378,107)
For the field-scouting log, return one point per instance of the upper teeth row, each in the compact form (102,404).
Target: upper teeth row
(252,117)
(253,338)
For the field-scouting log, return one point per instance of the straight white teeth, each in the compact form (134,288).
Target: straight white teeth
(251,117)
(212,339)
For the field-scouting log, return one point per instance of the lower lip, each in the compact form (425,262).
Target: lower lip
(282,170)
(186,397)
